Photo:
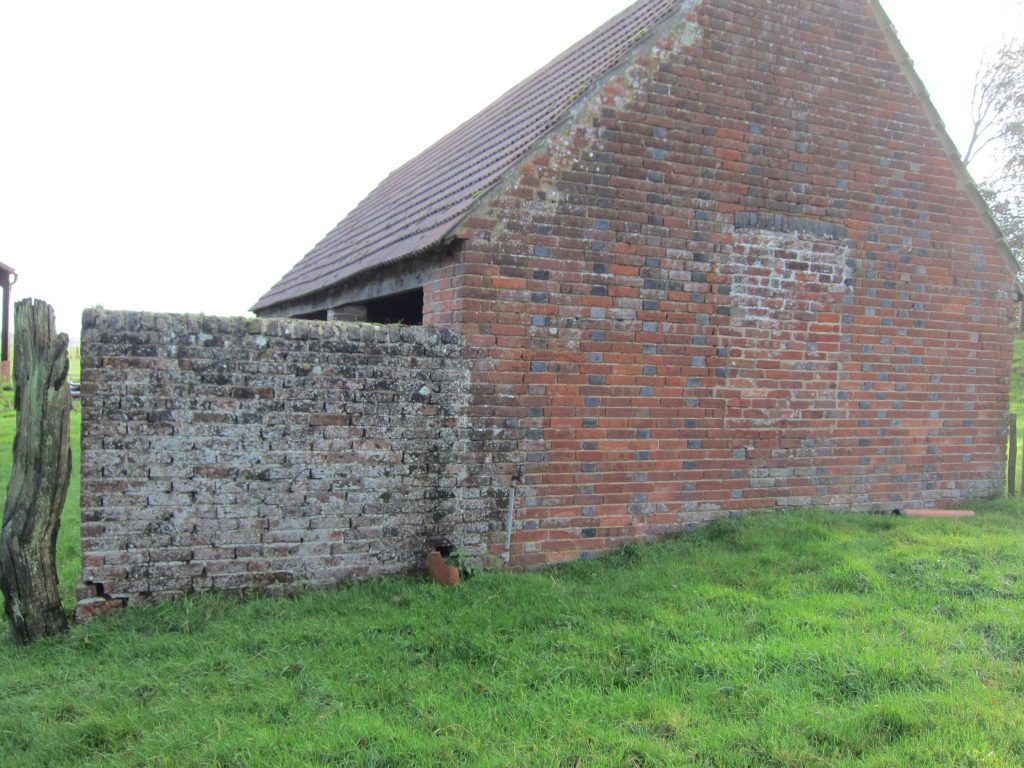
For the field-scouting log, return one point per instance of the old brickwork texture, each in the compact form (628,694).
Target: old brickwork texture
(236,454)
(748,277)
(746,274)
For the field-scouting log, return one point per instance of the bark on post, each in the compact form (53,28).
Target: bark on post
(39,477)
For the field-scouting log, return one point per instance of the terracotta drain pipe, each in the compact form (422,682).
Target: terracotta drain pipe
(934,512)
(510,517)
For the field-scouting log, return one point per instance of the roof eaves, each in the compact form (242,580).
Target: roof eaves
(280,295)
(274,307)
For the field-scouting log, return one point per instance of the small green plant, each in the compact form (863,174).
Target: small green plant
(467,567)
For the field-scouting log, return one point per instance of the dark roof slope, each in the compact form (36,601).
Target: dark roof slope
(421,203)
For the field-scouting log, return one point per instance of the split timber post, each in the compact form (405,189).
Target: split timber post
(39,477)
(1011,469)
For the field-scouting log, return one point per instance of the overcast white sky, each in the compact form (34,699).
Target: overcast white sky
(181,156)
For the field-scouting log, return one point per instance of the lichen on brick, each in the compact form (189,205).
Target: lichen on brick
(296,454)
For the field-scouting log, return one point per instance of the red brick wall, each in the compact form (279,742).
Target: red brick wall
(745,277)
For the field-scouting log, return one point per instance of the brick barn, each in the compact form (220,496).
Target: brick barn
(719,256)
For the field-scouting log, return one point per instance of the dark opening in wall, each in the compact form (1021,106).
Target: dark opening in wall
(319,315)
(405,308)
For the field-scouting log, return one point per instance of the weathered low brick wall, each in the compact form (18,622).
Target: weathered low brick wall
(274,454)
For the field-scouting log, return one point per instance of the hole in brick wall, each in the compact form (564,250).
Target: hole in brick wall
(100,591)
(405,308)
(897,511)
(445,549)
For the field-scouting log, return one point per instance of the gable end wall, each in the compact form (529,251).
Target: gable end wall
(744,277)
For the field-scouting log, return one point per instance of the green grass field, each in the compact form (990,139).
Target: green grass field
(802,638)
(75,363)
(782,639)
(1017,396)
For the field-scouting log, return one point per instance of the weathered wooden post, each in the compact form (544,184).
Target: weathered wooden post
(39,477)
(1011,474)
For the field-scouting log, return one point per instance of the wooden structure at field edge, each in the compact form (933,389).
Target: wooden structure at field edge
(40,476)
(8,277)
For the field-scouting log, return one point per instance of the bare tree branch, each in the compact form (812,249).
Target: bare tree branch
(997,112)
